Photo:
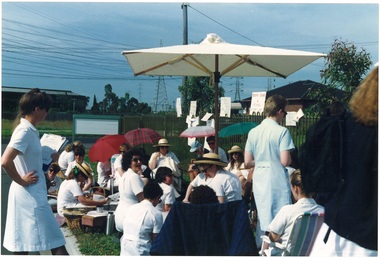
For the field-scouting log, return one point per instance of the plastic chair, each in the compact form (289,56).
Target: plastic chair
(302,236)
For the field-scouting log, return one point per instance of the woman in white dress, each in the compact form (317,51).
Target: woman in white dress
(142,223)
(166,158)
(130,186)
(236,164)
(30,225)
(70,193)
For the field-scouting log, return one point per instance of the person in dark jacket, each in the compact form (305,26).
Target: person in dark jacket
(350,227)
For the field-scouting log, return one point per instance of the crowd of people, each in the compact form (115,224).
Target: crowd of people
(264,173)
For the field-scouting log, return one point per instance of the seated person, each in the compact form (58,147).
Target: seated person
(197,148)
(203,194)
(79,153)
(142,223)
(164,177)
(53,183)
(281,225)
(70,194)
(225,184)
(104,172)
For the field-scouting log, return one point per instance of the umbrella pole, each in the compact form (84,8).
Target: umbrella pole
(216,81)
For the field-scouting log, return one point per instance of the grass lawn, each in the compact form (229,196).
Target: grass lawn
(63,128)
(97,243)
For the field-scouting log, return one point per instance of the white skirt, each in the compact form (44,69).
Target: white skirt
(337,246)
(30,225)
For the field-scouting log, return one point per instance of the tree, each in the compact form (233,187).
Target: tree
(95,109)
(110,101)
(344,69)
(198,89)
(134,107)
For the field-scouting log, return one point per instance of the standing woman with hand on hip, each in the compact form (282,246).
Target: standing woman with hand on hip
(30,225)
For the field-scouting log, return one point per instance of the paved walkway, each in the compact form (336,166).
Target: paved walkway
(71,243)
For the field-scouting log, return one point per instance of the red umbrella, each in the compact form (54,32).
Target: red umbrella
(141,136)
(198,131)
(105,147)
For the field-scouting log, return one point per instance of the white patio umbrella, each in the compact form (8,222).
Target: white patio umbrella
(215,58)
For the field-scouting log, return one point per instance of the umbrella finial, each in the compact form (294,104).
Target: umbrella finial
(213,38)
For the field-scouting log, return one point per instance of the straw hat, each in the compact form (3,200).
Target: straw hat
(86,169)
(195,146)
(235,149)
(162,142)
(210,158)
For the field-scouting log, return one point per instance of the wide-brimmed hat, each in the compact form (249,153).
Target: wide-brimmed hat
(86,169)
(162,142)
(195,146)
(235,149)
(210,158)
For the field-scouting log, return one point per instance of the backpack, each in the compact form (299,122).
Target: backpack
(321,156)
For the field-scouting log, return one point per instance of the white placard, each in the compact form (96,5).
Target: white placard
(191,122)
(225,107)
(291,119)
(178,107)
(257,102)
(299,115)
(193,109)
(98,126)
(206,117)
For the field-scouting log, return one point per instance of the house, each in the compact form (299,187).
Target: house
(63,100)
(296,93)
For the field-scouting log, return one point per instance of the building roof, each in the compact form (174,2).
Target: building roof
(48,91)
(295,90)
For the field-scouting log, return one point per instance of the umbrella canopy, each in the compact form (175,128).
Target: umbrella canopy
(215,58)
(237,129)
(105,147)
(141,136)
(198,131)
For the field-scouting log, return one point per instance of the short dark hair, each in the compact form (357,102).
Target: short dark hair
(210,138)
(152,190)
(78,150)
(126,161)
(203,194)
(161,174)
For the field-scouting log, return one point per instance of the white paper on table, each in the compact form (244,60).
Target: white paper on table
(51,143)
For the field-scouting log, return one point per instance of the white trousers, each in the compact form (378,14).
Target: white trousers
(337,246)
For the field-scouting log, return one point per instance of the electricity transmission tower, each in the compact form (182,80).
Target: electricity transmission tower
(161,97)
(160,102)
(237,89)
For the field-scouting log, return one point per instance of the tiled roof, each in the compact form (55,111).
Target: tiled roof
(295,90)
(48,91)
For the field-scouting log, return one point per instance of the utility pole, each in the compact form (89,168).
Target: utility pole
(185,34)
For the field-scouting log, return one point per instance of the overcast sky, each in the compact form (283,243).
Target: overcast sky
(77,46)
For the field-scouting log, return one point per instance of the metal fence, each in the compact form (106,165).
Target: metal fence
(170,126)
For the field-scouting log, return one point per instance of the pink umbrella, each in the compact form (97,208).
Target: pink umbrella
(198,131)
(141,136)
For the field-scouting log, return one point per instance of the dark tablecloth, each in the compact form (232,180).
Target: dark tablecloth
(206,229)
